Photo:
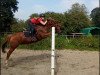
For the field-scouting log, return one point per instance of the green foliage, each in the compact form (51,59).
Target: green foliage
(57,16)
(76,19)
(61,42)
(95,14)
(45,44)
(34,15)
(78,8)
(19,26)
(7,9)
(81,43)
(84,43)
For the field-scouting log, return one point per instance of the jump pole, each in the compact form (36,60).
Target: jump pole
(53,52)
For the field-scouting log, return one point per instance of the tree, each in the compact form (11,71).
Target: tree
(19,26)
(95,15)
(71,21)
(76,19)
(7,10)
(78,8)
(34,15)
(57,16)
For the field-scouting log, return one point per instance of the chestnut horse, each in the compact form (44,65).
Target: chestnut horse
(14,40)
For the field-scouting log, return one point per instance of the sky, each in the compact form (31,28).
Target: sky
(28,7)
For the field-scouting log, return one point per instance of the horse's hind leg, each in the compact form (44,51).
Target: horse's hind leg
(9,53)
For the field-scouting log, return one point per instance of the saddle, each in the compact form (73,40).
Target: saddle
(29,35)
(28,32)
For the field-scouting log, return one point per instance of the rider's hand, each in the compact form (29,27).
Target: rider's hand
(46,21)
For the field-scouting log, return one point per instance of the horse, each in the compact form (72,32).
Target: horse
(16,39)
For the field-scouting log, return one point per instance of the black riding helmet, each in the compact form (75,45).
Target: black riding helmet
(42,15)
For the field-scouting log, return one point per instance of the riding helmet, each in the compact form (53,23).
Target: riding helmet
(42,15)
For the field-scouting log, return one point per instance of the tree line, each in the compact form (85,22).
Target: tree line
(72,20)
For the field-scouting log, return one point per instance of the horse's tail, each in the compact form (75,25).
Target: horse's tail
(3,47)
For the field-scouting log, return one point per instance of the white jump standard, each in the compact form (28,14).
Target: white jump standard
(53,52)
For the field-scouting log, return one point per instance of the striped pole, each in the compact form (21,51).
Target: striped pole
(53,52)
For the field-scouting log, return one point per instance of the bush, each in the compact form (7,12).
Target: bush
(85,43)
(80,43)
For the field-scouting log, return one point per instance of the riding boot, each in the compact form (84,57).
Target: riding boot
(32,32)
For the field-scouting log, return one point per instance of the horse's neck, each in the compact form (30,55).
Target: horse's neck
(48,27)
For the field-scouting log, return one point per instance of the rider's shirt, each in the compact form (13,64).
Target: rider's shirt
(36,21)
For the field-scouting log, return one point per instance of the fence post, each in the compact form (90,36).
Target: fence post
(53,52)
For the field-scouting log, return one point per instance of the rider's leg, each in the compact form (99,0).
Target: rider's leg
(31,28)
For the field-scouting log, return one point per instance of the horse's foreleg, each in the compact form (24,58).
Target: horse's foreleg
(46,34)
(8,55)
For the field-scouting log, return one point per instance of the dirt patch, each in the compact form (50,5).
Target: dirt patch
(28,62)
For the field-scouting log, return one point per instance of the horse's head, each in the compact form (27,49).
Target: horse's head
(53,23)
(58,28)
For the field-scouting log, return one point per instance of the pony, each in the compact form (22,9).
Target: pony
(16,39)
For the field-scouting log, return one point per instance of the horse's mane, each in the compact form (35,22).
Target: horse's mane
(51,21)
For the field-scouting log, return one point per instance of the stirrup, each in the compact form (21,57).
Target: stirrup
(34,38)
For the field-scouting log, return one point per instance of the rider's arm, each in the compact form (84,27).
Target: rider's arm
(43,23)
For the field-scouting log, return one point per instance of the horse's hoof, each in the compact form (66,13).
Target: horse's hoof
(6,63)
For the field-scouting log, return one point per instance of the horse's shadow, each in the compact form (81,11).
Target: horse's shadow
(45,57)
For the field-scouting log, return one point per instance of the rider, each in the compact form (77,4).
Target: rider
(35,21)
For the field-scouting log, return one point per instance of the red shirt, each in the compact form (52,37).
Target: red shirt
(36,21)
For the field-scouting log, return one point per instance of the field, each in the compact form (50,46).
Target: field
(69,62)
